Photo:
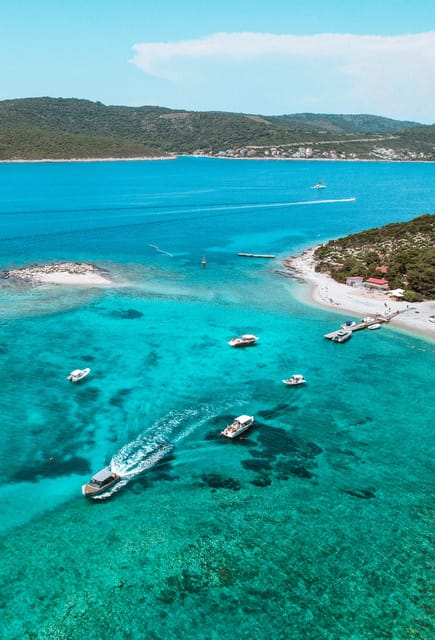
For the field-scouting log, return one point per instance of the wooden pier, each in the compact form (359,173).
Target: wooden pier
(255,255)
(364,324)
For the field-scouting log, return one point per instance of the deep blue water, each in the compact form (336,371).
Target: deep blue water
(317,524)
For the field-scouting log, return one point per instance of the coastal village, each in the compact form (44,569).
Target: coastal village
(316,152)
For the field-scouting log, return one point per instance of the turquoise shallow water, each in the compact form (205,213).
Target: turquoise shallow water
(318,523)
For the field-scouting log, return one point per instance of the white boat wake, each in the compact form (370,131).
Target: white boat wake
(152,445)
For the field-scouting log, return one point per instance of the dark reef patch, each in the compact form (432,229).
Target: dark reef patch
(257,464)
(281,454)
(87,392)
(117,400)
(87,358)
(53,468)
(127,314)
(261,481)
(130,314)
(365,494)
(216,481)
(269,414)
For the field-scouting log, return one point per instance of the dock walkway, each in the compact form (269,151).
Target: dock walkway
(256,255)
(364,324)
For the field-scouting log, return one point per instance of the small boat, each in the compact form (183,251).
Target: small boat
(243,341)
(377,325)
(100,482)
(297,378)
(349,324)
(319,185)
(78,374)
(237,427)
(342,336)
(368,319)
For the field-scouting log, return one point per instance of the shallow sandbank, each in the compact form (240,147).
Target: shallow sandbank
(74,274)
(324,291)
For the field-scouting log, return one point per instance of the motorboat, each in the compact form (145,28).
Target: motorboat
(377,325)
(349,324)
(78,374)
(341,336)
(319,185)
(100,482)
(297,378)
(237,427)
(246,340)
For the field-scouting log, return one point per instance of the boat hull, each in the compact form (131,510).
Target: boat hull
(78,374)
(244,341)
(95,487)
(236,428)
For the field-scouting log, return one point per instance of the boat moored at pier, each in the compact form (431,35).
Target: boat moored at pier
(342,336)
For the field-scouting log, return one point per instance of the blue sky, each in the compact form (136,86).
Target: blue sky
(272,57)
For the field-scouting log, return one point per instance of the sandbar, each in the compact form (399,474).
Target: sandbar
(416,317)
(75,274)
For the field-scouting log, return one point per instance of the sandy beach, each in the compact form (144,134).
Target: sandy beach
(74,274)
(359,302)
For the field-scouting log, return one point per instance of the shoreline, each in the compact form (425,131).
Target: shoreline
(110,159)
(323,291)
(175,156)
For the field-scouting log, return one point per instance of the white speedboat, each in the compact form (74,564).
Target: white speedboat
(377,325)
(319,185)
(297,378)
(237,427)
(342,336)
(349,324)
(100,482)
(246,340)
(78,374)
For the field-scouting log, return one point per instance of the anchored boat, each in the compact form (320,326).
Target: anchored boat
(237,427)
(78,374)
(246,340)
(297,378)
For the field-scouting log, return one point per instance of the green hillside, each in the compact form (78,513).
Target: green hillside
(406,249)
(353,124)
(34,128)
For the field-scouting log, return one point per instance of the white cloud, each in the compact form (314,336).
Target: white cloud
(387,74)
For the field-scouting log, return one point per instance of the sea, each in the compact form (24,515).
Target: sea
(318,523)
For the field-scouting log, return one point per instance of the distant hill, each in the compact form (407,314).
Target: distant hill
(405,250)
(354,124)
(35,128)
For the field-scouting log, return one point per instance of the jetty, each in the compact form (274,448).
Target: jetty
(256,255)
(365,323)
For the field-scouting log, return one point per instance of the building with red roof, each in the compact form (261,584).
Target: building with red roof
(377,283)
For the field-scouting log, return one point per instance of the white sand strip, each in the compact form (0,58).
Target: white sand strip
(417,317)
(76,274)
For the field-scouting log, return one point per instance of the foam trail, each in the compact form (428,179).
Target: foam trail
(255,205)
(155,443)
